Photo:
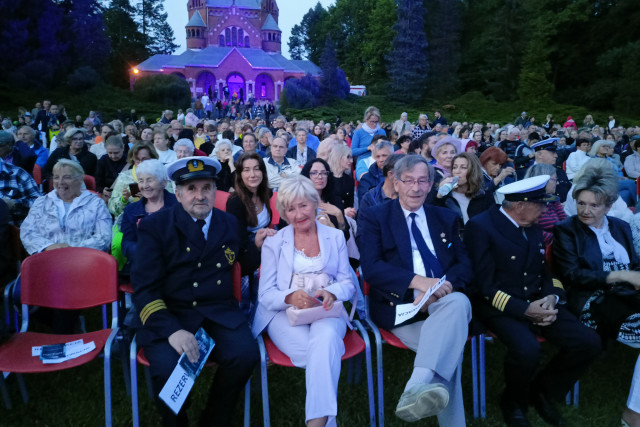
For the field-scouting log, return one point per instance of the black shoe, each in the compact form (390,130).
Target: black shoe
(513,414)
(546,408)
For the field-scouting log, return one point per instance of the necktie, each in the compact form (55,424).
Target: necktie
(199,224)
(524,233)
(431,263)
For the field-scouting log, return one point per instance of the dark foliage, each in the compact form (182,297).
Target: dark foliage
(333,83)
(300,94)
(163,89)
(83,78)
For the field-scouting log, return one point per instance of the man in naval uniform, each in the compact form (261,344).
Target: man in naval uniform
(182,280)
(517,299)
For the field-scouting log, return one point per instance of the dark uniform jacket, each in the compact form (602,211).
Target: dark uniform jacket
(577,259)
(387,264)
(509,270)
(179,280)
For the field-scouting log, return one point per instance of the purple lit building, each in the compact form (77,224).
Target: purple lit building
(232,45)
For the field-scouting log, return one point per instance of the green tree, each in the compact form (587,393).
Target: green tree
(442,27)
(128,46)
(307,38)
(377,44)
(157,32)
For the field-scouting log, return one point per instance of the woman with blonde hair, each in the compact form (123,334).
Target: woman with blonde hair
(341,163)
(362,137)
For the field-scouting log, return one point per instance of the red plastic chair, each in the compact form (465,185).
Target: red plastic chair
(90,183)
(275,215)
(638,186)
(564,166)
(221,200)
(354,343)
(477,365)
(18,254)
(37,174)
(65,279)
(137,356)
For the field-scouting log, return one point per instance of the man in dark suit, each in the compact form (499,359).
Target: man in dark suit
(517,299)
(182,281)
(545,152)
(406,247)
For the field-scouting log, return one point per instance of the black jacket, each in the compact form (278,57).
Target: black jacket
(344,187)
(87,160)
(479,203)
(107,171)
(577,259)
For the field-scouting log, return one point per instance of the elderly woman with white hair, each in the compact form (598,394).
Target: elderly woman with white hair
(152,182)
(595,258)
(422,127)
(184,148)
(68,215)
(224,154)
(306,265)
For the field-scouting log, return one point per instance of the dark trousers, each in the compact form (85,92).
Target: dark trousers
(235,352)
(578,347)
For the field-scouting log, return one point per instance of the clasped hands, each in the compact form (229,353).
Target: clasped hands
(542,312)
(423,284)
(300,299)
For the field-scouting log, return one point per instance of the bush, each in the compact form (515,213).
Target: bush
(168,90)
(300,94)
(36,74)
(83,78)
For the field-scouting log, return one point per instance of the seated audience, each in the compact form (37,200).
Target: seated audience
(632,162)
(121,194)
(74,148)
(555,211)
(226,176)
(384,191)
(373,177)
(306,251)
(110,166)
(300,152)
(626,187)
(494,172)
(578,158)
(341,162)
(505,244)
(27,135)
(184,148)
(161,144)
(18,191)
(595,258)
(361,140)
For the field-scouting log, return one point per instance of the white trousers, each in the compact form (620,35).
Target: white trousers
(633,402)
(318,348)
(439,345)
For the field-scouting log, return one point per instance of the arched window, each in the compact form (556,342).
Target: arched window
(247,41)
(234,36)
(227,36)
(221,40)
(240,36)
(269,36)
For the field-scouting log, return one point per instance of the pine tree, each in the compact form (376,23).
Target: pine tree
(407,63)
(306,38)
(158,34)
(443,32)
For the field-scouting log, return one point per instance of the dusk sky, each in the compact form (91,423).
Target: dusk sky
(291,13)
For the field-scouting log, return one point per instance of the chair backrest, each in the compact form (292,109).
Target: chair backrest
(275,215)
(221,200)
(90,183)
(69,278)
(37,174)
(18,253)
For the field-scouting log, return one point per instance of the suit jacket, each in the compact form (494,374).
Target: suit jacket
(577,259)
(293,153)
(509,270)
(385,253)
(277,270)
(179,280)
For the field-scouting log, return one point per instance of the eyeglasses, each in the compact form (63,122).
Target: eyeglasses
(422,182)
(319,173)
(78,139)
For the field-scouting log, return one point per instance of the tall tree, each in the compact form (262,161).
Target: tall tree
(128,45)
(90,44)
(407,63)
(443,32)
(333,82)
(158,34)
(307,37)
(378,41)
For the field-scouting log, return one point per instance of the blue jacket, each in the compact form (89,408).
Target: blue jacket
(373,197)
(370,180)
(361,140)
(131,216)
(385,253)
(180,280)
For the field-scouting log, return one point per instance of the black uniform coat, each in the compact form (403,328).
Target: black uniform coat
(509,270)
(179,280)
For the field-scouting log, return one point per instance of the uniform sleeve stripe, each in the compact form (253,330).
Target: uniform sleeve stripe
(151,308)
(557,284)
(500,300)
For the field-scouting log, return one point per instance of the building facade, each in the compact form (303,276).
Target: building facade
(233,50)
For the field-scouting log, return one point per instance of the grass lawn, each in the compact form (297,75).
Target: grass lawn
(75,397)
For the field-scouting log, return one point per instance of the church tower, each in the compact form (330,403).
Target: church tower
(196,28)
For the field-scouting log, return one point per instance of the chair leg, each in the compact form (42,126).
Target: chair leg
(4,392)
(483,391)
(23,388)
(107,379)
(263,379)
(247,404)
(378,339)
(370,392)
(133,374)
(474,375)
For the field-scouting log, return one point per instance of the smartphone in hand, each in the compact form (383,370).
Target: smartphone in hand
(134,189)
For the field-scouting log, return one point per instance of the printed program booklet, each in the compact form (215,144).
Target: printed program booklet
(179,384)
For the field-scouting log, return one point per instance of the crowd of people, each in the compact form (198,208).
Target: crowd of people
(527,230)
